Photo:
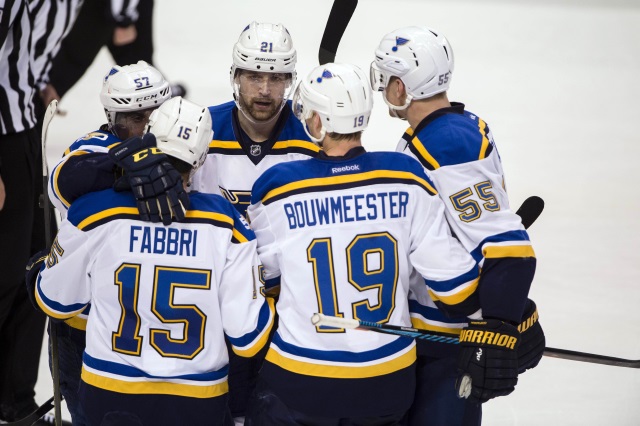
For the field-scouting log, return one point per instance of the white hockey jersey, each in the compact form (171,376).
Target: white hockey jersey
(458,153)
(162,298)
(345,234)
(231,168)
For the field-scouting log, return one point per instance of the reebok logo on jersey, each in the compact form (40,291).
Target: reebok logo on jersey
(488,338)
(352,168)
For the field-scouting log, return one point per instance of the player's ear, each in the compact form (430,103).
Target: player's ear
(397,85)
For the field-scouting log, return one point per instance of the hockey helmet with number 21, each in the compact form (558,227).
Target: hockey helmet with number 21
(419,56)
(182,130)
(339,94)
(264,47)
(132,88)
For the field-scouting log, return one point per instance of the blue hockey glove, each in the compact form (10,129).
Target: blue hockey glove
(156,185)
(488,361)
(533,342)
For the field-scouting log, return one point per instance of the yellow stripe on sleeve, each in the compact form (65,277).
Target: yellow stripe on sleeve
(458,297)
(265,335)
(496,252)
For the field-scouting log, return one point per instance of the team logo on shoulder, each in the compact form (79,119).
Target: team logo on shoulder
(255,150)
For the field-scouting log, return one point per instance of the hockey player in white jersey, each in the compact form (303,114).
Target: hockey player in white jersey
(413,68)
(129,94)
(252,133)
(343,231)
(257,129)
(163,298)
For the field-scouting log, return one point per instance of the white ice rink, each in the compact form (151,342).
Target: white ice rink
(557,81)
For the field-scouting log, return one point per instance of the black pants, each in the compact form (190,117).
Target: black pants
(92,30)
(21,235)
(267,409)
(106,408)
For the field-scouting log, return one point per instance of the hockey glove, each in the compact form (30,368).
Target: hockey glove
(532,343)
(33,268)
(156,185)
(488,361)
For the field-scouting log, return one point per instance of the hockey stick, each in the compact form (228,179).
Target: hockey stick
(55,374)
(33,417)
(530,210)
(339,18)
(414,333)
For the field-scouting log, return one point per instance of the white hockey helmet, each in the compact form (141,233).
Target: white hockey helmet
(264,47)
(339,94)
(421,57)
(182,130)
(132,88)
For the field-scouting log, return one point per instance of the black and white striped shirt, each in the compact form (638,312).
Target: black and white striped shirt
(34,32)
(16,76)
(53,20)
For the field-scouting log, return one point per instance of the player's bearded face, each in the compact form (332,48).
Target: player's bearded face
(262,94)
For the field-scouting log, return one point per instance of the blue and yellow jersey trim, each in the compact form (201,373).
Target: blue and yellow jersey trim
(95,209)
(101,138)
(450,139)
(279,148)
(456,290)
(504,245)
(392,357)
(82,146)
(130,380)
(291,139)
(313,175)
(251,343)
(433,319)
(56,309)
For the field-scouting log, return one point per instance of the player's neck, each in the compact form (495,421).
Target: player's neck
(334,148)
(258,131)
(420,109)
